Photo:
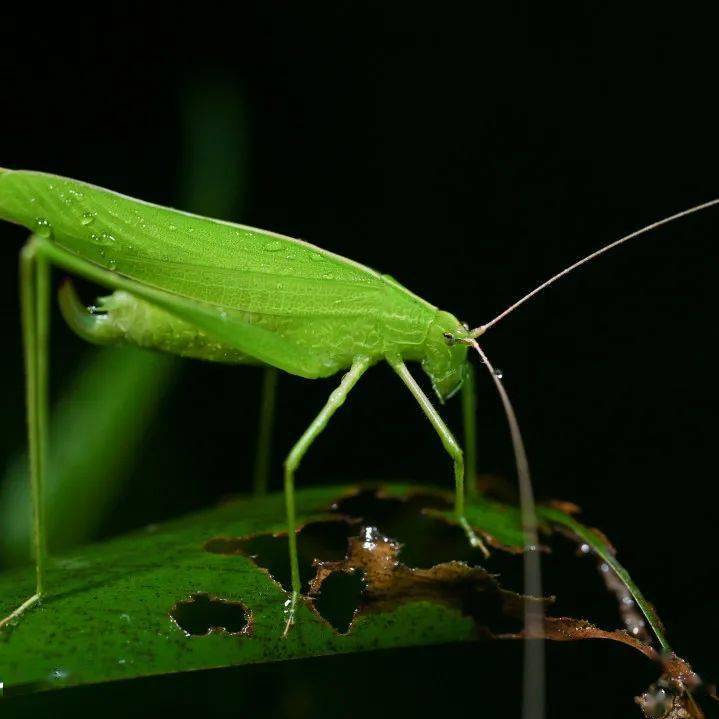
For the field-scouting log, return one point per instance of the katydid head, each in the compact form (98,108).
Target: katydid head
(445,354)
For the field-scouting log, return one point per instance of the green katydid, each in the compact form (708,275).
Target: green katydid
(213,290)
(219,291)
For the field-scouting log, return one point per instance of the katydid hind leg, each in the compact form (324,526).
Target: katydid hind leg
(268,402)
(35,312)
(334,402)
(451,446)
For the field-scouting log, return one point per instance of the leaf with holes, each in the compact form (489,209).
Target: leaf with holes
(382,567)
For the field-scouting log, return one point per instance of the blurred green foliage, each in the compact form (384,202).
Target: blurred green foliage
(98,426)
(97,430)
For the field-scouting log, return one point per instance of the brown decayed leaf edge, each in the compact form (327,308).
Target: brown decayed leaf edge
(476,592)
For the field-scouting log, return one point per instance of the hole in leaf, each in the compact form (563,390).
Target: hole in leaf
(340,598)
(202,614)
(316,541)
(388,583)
(425,540)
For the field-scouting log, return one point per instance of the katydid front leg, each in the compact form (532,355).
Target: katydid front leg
(449,443)
(35,313)
(335,401)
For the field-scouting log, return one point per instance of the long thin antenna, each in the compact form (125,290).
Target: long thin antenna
(533,675)
(697,208)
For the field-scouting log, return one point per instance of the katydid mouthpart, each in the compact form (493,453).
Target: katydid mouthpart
(214,290)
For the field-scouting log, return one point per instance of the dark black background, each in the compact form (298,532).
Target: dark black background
(470,155)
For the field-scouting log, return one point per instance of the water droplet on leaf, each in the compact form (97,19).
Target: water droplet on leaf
(273,246)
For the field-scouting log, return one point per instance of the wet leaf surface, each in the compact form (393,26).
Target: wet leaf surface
(381,567)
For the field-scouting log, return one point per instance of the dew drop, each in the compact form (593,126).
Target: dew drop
(273,246)
(112,265)
(87,217)
(43,227)
(316,257)
(498,373)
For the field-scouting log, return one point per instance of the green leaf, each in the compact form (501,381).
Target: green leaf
(114,610)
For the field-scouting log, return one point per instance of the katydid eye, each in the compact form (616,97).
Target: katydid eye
(449,337)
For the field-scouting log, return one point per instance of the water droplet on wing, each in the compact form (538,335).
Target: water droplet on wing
(43,228)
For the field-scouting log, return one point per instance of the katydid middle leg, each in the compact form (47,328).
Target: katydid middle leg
(469,413)
(449,443)
(268,400)
(35,311)
(335,401)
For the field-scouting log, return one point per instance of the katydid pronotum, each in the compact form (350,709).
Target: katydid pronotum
(219,291)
